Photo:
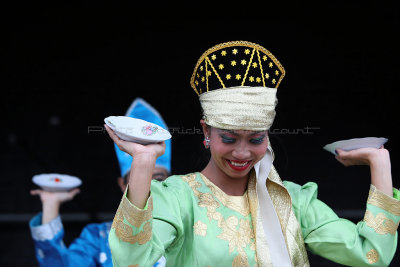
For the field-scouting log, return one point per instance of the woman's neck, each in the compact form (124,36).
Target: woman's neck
(231,186)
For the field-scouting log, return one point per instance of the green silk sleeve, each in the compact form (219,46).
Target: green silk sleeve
(370,242)
(139,237)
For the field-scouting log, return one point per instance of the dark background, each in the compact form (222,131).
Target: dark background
(66,69)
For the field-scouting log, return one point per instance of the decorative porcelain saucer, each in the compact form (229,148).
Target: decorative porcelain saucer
(56,182)
(355,143)
(137,130)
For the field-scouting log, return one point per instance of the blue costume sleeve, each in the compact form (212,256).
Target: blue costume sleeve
(89,249)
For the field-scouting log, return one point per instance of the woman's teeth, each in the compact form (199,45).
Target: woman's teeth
(238,164)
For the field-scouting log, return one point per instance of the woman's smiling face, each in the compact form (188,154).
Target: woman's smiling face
(236,152)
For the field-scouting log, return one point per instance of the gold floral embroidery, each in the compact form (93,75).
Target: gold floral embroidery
(117,218)
(191,180)
(372,256)
(238,234)
(207,201)
(380,223)
(239,204)
(125,231)
(135,216)
(237,238)
(200,228)
(239,261)
(383,201)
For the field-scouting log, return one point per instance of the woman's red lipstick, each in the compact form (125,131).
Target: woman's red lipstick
(238,165)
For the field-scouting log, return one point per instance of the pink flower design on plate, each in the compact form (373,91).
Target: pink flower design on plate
(149,130)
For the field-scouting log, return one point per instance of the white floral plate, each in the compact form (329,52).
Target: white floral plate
(56,182)
(137,130)
(356,143)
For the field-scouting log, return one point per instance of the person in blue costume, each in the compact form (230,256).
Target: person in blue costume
(91,247)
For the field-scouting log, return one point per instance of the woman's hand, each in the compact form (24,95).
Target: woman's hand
(363,156)
(377,159)
(55,197)
(51,202)
(140,175)
(137,150)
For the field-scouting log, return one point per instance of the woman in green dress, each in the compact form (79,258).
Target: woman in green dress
(237,211)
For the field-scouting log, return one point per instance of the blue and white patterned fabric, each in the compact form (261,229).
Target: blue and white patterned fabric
(89,249)
(140,109)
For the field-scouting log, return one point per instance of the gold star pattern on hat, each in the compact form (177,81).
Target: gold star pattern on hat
(236,63)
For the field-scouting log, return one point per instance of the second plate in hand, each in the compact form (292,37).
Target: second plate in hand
(355,143)
(137,130)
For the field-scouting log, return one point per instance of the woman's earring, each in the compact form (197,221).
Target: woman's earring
(206,142)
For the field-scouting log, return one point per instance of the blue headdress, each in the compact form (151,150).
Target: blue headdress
(140,109)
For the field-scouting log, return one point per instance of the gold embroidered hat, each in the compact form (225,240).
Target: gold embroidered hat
(236,83)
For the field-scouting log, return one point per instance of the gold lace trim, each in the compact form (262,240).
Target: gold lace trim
(134,215)
(125,231)
(238,233)
(383,201)
(240,262)
(380,223)
(372,256)
(200,228)
(236,203)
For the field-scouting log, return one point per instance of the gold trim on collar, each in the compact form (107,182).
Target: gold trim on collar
(236,203)
(236,232)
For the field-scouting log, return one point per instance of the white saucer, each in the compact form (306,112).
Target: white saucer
(137,130)
(54,182)
(355,143)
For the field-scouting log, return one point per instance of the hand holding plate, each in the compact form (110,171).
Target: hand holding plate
(355,143)
(137,130)
(135,149)
(363,156)
(55,197)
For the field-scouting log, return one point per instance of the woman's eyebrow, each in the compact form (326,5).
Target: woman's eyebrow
(231,132)
(262,134)
(249,134)
(222,131)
